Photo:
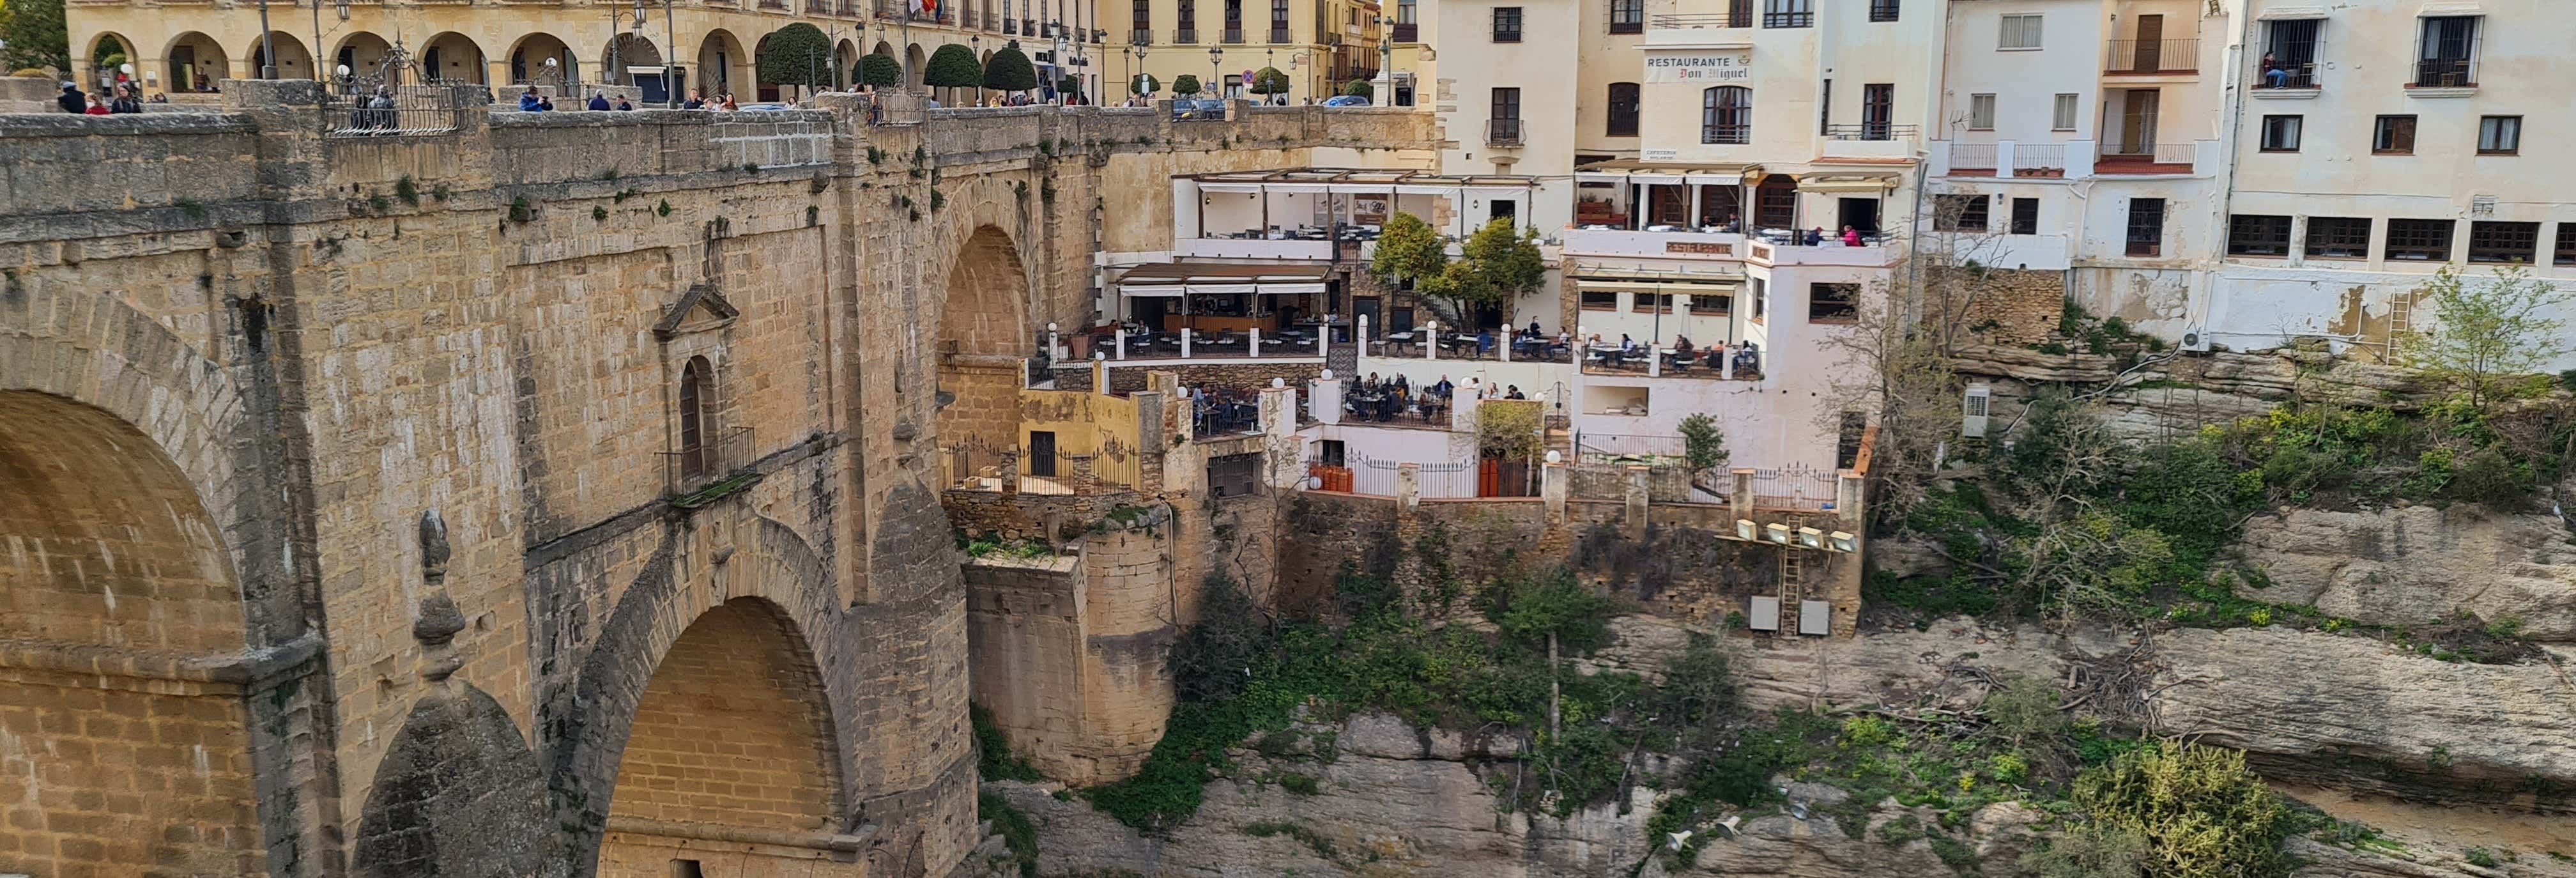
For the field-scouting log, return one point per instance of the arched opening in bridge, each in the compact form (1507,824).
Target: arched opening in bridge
(109,56)
(194,63)
(983,349)
(529,62)
(628,50)
(730,760)
(293,60)
(913,62)
(454,57)
(722,64)
(361,55)
(109,550)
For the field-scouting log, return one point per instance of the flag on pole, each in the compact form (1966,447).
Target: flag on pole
(925,7)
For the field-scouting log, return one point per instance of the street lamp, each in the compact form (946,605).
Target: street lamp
(1137,77)
(976,45)
(1216,60)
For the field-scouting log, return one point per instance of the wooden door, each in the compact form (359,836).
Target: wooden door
(2151,42)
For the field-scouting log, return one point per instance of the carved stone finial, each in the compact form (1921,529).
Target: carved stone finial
(433,547)
(439,621)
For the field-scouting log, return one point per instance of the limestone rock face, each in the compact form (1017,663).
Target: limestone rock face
(2418,564)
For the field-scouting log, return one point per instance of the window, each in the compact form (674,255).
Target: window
(1627,16)
(1623,109)
(2025,216)
(1877,111)
(2503,242)
(2420,240)
(1507,24)
(1833,303)
(2146,226)
(1234,21)
(696,459)
(2338,237)
(2566,243)
(1189,23)
(1651,303)
(1601,301)
(2020,32)
(1705,305)
(1761,298)
(1726,115)
(2281,133)
(1981,112)
(1775,205)
(1279,21)
(2061,117)
(1505,121)
(1406,29)
(1961,213)
(2290,55)
(2258,235)
(2499,135)
(1882,10)
(1789,13)
(1825,109)
(2395,135)
(2447,55)
(1855,429)
(1739,13)
(1142,21)
(688,869)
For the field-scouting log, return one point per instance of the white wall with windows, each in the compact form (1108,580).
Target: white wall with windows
(2016,56)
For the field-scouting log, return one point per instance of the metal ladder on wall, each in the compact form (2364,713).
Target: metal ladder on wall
(2401,318)
(1793,584)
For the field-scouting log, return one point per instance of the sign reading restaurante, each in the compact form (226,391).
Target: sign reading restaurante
(1703,67)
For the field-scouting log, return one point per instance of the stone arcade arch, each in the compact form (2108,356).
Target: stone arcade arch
(293,60)
(363,53)
(111,549)
(452,56)
(723,66)
(190,57)
(982,352)
(528,61)
(627,50)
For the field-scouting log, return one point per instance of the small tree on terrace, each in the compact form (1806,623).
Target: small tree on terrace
(1359,88)
(798,54)
(880,70)
(1408,249)
(1009,70)
(2487,335)
(1270,81)
(953,66)
(1185,84)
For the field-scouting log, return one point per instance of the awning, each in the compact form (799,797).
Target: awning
(1715,179)
(1229,187)
(1650,286)
(1872,184)
(1220,278)
(1654,178)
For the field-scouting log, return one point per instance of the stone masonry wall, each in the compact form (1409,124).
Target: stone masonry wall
(491,324)
(2015,306)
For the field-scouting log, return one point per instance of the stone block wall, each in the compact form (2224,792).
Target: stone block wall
(1069,651)
(2016,306)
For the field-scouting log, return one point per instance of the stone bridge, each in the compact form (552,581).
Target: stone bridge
(549,496)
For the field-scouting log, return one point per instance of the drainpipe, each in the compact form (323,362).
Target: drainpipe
(2226,177)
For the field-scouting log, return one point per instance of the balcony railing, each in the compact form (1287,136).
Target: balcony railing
(2153,56)
(2445,73)
(1279,35)
(1234,35)
(1186,35)
(2030,157)
(2157,158)
(2288,76)
(1870,131)
(1140,37)
(1685,21)
(1726,134)
(1972,156)
(1010,27)
(1408,33)
(1502,132)
(1788,19)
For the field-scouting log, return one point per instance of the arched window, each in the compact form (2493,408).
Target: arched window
(1726,115)
(1623,109)
(696,394)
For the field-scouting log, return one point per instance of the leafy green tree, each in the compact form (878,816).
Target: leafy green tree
(1552,608)
(35,34)
(880,70)
(1070,86)
(1360,88)
(1269,81)
(1142,84)
(2487,336)
(798,54)
(1495,265)
(1009,70)
(1408,250)
(1185,84)
(1703,444)
(953,66)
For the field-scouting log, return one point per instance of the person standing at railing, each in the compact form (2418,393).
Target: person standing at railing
(530,102)
(1851,237)
(598,102)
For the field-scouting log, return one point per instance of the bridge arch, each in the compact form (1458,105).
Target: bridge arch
(981,355)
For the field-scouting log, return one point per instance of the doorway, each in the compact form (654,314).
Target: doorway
(2138,121)
(1858,213)
(1042,453)
(2151,38)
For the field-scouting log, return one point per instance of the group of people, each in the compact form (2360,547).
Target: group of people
(533,101)
(1816,237)
(1746,356)
(125,99)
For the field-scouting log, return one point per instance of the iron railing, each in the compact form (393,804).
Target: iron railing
(2153,56)
(1279,35)
(2445,73)
(1726,133)
(2039,157)
(1796,488)
(1691,20)
(1502,132)
(1870,131)
(1973,156)
(1187,35)
(1234,34)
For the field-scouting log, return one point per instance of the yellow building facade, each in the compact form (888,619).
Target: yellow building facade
(186,49)
(1322,45)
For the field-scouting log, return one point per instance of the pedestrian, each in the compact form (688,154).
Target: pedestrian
(72,101)
(694,102)
(96,107)
(598,101)
(1851,237)
(530,101)
(125,101)
(622,104)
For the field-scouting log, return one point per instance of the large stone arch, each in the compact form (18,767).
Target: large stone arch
(981,355)
(128,531)
(190,57)
(724,572)
(723,64)
(454,56)
(293,60)
(362,52)
(527,61)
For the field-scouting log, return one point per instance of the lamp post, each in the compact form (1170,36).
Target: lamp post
(1386,58)
(1216,75)
(1136,77)
(976,45)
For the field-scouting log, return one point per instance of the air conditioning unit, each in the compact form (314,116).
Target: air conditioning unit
(1972,414)
(2195,339)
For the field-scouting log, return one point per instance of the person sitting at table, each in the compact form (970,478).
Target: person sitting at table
(1626,345)
(1484,342)
(1514,392)
(1682,345)
(1443,388)
(1716,357)
(1400,384)
(1533,330)
(1370,384)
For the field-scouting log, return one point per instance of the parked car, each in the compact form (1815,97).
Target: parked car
(1346,101)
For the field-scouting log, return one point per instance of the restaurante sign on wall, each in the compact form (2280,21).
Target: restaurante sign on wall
(1733,67)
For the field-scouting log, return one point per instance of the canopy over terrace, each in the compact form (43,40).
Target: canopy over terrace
(1223,297)
(1345,203)
(1662,196)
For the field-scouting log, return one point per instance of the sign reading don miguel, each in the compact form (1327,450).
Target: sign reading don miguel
(1732,66)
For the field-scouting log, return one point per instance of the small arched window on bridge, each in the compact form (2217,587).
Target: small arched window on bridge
(697,395)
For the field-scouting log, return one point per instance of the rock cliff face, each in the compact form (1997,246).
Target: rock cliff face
(2415,565)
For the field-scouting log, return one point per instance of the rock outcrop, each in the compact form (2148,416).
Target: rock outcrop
(2419,564)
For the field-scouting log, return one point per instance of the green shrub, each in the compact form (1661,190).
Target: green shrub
(2488,476)
(1009,70)
(2090,852)
(1017,832)
(2203,815)
(2024,709)
(993,750)
(953,66)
